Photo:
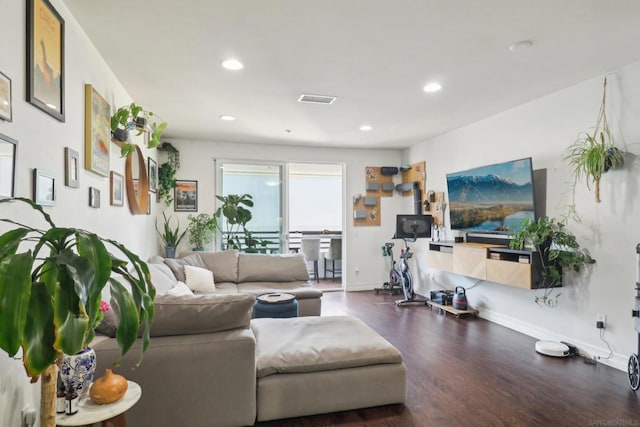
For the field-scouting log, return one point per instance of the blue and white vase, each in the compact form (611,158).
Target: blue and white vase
(78,371)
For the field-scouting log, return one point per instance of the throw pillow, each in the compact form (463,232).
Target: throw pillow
(177,265)
(180,289)
(199,280)
(162,277)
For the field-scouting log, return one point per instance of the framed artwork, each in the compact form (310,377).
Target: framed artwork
(45,58)
(8,150)
(44,188)
(152,173)
(5,98)
(186,196)
(94,198)
(117,189)
(97,131)
(71,168)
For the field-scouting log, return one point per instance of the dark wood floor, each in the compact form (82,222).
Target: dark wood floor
(470,372)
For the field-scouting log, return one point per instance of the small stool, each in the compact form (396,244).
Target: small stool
(275,305)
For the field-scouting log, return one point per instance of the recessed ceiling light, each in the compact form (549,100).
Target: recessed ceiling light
(521,45)
(232,64)
(432,87)
(365,128)
(227,118)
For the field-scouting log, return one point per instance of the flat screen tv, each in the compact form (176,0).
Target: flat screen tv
(411,227)
(494,198)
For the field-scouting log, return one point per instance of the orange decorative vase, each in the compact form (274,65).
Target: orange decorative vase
(109,388)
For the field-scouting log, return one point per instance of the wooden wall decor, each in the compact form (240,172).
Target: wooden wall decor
(377,184)
(435,207)
(417,172)
(365,213)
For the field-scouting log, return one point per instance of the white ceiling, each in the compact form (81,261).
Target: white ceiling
(374,55)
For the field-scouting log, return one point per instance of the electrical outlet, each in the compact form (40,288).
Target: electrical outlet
(28,417)
(601,321)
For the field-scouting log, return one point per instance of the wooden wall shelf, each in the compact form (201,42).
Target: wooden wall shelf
(491,262)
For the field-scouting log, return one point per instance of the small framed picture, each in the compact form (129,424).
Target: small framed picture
(5,98)
(8,150)
(71,168)
(44,188)
(152,172)
(186,196)
(94,198)
(117,189)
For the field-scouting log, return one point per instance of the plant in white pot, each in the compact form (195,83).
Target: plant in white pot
(51,282)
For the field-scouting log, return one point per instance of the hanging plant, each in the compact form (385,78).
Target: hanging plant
(167,173)
(135,117)
(593,154)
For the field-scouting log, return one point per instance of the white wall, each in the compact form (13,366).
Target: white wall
(362,243)
(543,129)
(41,145)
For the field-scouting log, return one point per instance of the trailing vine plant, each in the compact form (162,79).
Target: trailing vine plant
(558,250)
(167,173)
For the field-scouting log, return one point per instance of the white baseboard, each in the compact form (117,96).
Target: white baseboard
(618,361)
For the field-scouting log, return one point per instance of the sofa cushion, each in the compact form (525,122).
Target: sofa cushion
(224,264)
(200,314)
(179,289)
(312,344)
(177,265)
(199,280)
(162,277)
(271,268)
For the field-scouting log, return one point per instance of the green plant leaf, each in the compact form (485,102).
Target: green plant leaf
(15,292)
(127,331)
(39,334)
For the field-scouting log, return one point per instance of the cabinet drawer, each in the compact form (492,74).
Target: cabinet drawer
(509,273)
(470,261)
(440,260)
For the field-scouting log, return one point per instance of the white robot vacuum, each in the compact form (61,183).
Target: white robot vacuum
(552,348)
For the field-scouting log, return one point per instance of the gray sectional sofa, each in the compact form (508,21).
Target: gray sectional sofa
(210,364)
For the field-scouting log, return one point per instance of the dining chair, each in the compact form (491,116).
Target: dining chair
(334,254)
(311,251)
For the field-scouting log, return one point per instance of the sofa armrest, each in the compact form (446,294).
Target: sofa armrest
(201,314)
(209,377)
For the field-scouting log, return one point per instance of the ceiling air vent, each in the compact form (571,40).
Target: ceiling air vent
(317,99)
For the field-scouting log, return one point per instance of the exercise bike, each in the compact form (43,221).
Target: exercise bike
(394,285)
(409,228)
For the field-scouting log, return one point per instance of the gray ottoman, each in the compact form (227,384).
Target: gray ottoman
(315,365)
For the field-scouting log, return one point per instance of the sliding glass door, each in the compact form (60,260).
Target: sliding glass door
(264,182)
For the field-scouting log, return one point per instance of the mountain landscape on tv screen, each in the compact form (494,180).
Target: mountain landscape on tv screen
(488,202)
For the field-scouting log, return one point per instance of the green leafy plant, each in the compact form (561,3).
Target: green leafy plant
(200,229)
(592,155)
(236,218)
(167,173)
(51,294)
(131,117)
(171,237)
(254,245)
(558,250)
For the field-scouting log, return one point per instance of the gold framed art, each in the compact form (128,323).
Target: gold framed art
(97,138)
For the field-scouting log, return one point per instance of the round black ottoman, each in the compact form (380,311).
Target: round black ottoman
(275,305)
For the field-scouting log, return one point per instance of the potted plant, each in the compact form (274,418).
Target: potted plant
(167,173)
(50,296)
(170,237)
(558,250)
(131,117)
(200,229)
(254,245)
(593,154)
(236,218)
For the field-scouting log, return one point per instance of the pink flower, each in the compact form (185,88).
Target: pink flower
(104,306)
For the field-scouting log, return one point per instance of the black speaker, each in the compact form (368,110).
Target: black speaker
(389,170)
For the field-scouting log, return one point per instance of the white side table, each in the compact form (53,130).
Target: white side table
(89,412)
